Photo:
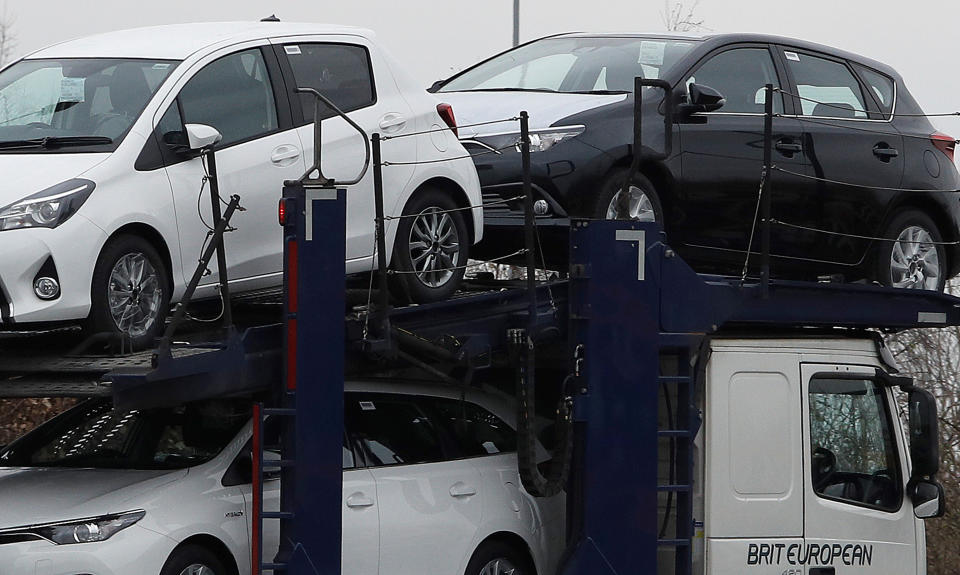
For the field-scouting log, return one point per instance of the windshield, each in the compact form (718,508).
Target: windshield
(574,65)
(65,99)
(94,435)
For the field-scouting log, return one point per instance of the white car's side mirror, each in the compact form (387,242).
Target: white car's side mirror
(201,136)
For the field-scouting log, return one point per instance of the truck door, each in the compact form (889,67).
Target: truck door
(856,517)
(754,462)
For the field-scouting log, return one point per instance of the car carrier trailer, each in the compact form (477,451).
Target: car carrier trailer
(705,424)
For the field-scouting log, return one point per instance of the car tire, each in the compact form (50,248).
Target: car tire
(130,292)
(645,203)
(907,261)
(429,237)
(499,558)
(193,560)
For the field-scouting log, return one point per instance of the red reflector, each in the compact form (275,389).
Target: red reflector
(292,354)
(293,275)
(282,212)
(446,113)
(944,143)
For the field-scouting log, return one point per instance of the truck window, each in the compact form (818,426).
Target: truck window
(854,457)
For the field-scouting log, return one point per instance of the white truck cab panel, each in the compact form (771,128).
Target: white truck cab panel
(806,465)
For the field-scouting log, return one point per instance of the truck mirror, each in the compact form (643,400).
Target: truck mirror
(928,499)
(924,433)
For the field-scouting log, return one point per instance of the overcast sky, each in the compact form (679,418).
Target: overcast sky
(437,37)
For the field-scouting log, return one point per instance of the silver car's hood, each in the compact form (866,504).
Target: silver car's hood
(26,174)
(545,108)
(30,496)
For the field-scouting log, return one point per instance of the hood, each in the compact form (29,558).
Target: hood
(26,174)
(545,108)
(35,495)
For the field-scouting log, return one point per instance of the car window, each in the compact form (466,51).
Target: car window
(392,430)
(881,86)
(476,430)
(341,72)
(234,95)
(853,453)
(826,88)
(741,76)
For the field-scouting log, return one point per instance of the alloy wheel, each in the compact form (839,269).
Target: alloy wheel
(434,246)
(641,208)
(197,569)
(134,294)
(499,566)
(914,260)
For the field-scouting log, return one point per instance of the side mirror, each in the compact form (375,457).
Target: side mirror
(928,499)
(924,433)
(202,137)
(703,99)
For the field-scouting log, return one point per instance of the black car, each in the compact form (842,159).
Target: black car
(854,158)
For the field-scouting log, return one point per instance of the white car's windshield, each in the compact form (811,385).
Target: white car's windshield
(577,64)
(94,435)
(71,103)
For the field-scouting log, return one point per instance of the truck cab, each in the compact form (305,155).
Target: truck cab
(803,466)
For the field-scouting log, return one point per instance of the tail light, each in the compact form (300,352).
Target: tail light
(282,212)
(446,112)
(944,143)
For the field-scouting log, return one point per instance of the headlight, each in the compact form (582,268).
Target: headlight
(81,530)
(47,209)
(540,140)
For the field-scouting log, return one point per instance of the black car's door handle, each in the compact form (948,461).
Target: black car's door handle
(785,147)
(885,153)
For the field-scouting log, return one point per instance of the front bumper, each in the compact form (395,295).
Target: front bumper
(131,551)
(74,247)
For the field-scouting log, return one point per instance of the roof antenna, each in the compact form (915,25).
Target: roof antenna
(270,18)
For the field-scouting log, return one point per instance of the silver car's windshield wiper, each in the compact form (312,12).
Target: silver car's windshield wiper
(55,142)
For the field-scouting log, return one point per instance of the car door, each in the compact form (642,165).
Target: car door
(722,157)
(847,140)
(856,518)
(431,504)
(353,75)
(237,93)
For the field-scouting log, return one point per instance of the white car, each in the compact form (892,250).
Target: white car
(430,485)
(102,213)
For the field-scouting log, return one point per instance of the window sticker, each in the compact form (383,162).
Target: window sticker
(160,66)
(367,406)
(651,53)
(792,56)
(292,49)
(71,90)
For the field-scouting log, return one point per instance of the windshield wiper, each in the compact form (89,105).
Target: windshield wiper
(56,142)
(548,90)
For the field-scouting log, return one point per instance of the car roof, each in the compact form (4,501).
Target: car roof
(178,41)
(716,40)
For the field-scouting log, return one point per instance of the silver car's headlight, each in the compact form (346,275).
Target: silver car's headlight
(80,531)
(47,209)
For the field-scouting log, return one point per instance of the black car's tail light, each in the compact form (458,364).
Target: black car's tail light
(944,143)
(446,113)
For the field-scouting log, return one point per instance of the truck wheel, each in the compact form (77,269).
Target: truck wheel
(916,259)
(193,560)
(644,202)
(129,295)
(431,248)
(498,558)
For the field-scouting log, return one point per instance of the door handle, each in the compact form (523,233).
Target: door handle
(359,500)
(822,571)
(284,153)
(392,122)
(885,152)
(461,489)
(785,147)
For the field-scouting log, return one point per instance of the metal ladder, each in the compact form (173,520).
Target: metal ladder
(260,465)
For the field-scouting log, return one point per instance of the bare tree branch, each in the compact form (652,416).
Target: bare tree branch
(680,16)
(8,40)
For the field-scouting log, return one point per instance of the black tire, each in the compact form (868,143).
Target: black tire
(409,283)
(917,264)
(611,186)
(149,301)
(187,556)
(491,551)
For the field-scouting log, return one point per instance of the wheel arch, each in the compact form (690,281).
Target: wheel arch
(153,237)
(659,175)
(215,546)
(940,217)
(515,541)
(456,192)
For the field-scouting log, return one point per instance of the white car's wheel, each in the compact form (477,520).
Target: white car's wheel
(499,558)
(193,560)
